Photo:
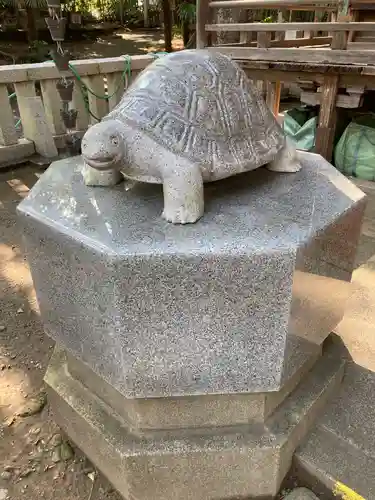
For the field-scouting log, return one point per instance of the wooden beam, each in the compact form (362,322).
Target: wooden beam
(273,97)
(327,117)
(274,4)
(296,42)
(203,16)
(361,46)
(340,40)
(272,75)
(315,56)
(339,26)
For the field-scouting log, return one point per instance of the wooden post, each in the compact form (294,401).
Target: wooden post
(273,97)
(273,89)
(203,16)
(354,16)
(245,36)
(264,39)
(8,133)
(133,76)
(327,117)
(281,16)
(116,89)
(98,107)
(52,105)
(333,20)
(24,90)
(36,128)
(78,103)
(340,39)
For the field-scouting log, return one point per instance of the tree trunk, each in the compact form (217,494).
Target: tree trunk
(18,16)
(121,12)
(145,13)
(32,30)
(185,32)
(167,25)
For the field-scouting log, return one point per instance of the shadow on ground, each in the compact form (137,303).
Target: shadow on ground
(118,43)
(35,458)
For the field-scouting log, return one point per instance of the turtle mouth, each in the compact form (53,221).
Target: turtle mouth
(104,163)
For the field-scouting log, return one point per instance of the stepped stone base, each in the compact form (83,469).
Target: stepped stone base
(338,457)
(216,462)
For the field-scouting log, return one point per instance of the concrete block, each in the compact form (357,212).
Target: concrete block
(221,463)
(16,152)
(233,304)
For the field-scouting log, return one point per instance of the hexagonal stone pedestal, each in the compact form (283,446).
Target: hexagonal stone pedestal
(181,344)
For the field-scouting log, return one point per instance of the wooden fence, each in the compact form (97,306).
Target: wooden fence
(332,60)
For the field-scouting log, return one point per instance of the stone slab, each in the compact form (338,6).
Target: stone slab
(340,452)
(16,152)
(143,415)
(301,494)
(329,464)
(219,463)
(235,303)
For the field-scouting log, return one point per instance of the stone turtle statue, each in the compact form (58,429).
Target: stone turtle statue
(190,117)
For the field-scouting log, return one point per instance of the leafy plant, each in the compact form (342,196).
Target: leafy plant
(33,4)
(187,12)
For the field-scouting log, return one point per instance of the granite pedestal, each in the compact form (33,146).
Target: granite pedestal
(188,362)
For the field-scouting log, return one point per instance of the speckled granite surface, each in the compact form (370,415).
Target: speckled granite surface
(234,303)
(243,461)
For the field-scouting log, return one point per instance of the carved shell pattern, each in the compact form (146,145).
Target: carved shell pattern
(201,105)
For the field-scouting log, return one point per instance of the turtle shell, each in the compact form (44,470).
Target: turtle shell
(201,105)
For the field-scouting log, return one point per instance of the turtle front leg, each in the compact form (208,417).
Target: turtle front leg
(183,194)
(286,159)
(94,177)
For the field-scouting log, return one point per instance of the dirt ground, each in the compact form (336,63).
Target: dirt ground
(36,462)
(120,42)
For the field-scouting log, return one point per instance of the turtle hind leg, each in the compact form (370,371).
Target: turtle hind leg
(286,159)
(183,193)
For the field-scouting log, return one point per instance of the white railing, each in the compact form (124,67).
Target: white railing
(29,98)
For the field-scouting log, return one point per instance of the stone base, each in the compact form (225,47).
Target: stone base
(195,463)
(338,457)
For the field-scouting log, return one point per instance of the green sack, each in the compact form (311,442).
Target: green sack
(355,151)
(300,125)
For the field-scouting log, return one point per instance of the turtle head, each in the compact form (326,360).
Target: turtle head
(103,145)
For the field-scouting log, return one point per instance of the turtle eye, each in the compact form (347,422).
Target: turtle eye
(114,140)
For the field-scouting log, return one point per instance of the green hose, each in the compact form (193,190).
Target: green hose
(85,89)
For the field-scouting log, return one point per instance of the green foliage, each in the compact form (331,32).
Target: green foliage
(187,12)
(127,11)
(36,4)
(38,52)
